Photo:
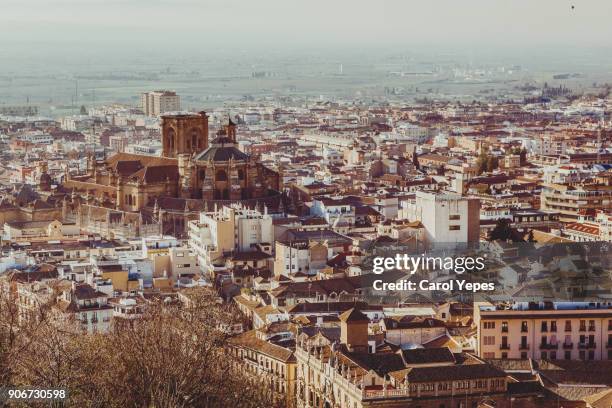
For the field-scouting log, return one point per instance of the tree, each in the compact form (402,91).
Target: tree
(492,163)
(481,162)
(502,230)
(175,355)
(523,154)
(531,237)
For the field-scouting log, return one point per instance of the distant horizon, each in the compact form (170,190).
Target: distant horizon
(314,23)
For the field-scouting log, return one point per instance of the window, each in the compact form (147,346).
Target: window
(582,325)
(504,356)
(543,355)
(568,325)
(504,327)
(568,355)
(553,355)
(591,325)
(523,355)
(553,326)
(489,325)
(591,354)
(489,340)
(454,217)
(544,326)
(454,227)
(221,175)
(524,326)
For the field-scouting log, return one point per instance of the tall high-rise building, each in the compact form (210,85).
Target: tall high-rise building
(156,103)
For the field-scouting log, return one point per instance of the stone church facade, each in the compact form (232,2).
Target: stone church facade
(192,175)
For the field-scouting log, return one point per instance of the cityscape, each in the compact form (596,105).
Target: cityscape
(316,227)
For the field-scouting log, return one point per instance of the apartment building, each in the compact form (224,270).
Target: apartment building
(334,210)
(272,365)
(85,306)
(228,229)
(569,200)
(156,103)
(545,330)
(448,218)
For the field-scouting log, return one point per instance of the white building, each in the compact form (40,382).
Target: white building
(231,228)
(334,210)
(447,217)
(156,103)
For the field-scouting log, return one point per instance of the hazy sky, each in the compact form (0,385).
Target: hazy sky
(149,23)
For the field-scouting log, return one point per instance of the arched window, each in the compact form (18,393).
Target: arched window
(221,175)
(171,134)
(194,138)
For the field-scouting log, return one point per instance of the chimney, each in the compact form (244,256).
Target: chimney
(354,330)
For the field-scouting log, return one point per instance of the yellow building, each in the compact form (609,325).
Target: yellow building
(272,365)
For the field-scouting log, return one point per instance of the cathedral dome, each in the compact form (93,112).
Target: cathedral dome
(222,149)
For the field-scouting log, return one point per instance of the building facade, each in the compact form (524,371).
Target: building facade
(156,103)
(555,331)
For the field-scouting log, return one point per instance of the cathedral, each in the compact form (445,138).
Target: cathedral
(192,175)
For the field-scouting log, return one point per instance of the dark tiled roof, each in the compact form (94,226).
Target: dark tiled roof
(127,167)
(222,153)
(353,315)
(428,356)
(250,256)
(85,291)
(451,373)
(157,174)
(381,363)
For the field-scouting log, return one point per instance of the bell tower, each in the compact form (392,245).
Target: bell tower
(230,130)
(184,134)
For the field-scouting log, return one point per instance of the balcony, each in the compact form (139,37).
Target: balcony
(504,347)
(549,346)
(524,347)
(568,346)
(587,345)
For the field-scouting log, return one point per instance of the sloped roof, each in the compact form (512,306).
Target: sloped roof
(353,315)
